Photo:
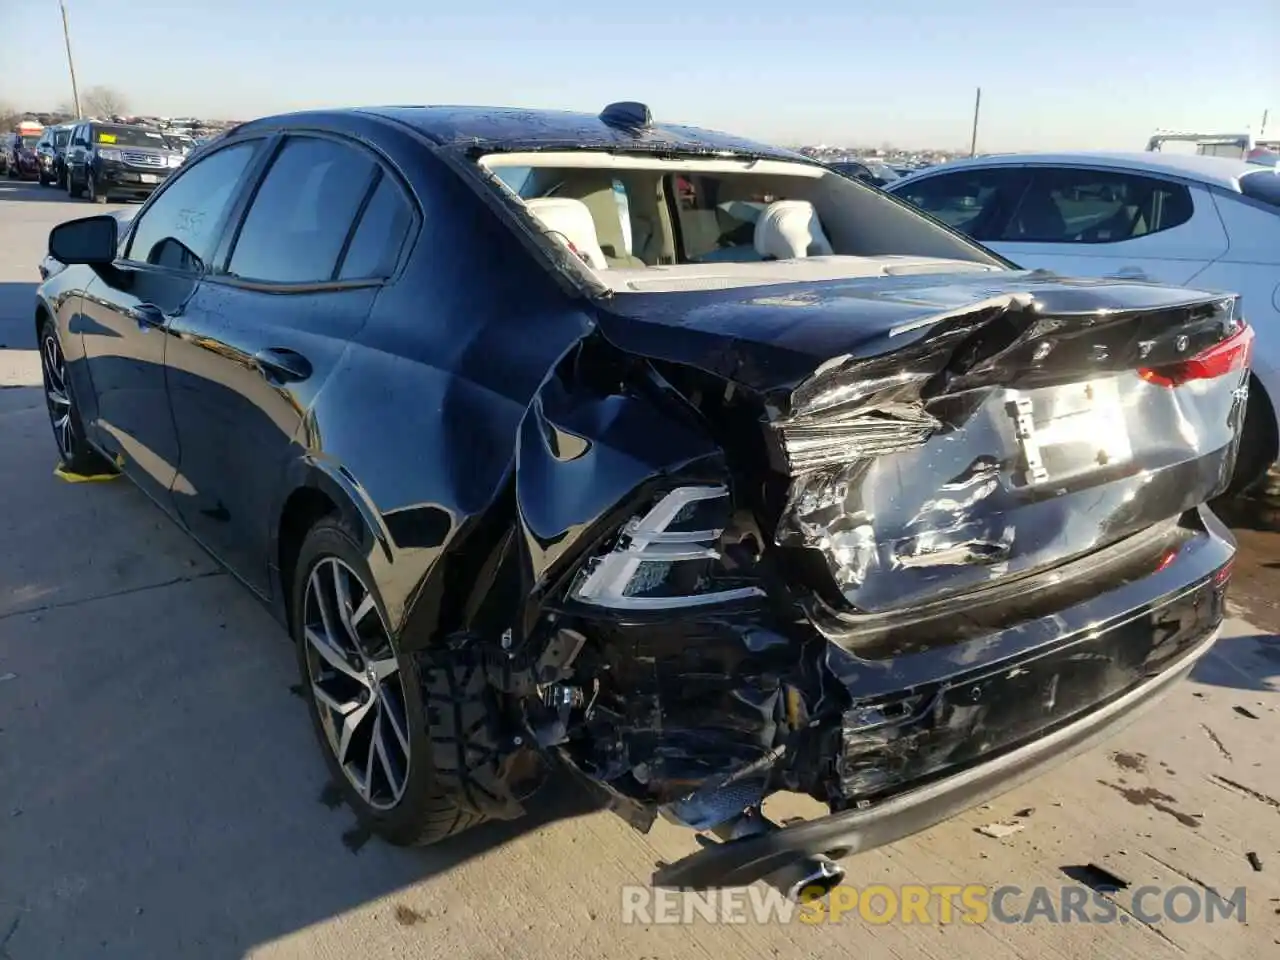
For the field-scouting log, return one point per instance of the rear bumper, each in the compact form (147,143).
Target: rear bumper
(739,862)
(935,729)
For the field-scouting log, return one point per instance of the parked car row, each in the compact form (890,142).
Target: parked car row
(781,485)
(18,152)
(1206,221)
(100,160)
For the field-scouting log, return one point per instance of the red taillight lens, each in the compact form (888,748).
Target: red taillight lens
(1223,574)
(1224,357)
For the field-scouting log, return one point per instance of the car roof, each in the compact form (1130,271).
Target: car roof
(496,129)
(1215,171)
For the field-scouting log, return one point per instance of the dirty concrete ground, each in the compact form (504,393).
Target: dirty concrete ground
(161,794)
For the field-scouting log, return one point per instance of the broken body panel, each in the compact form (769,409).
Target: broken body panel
(957,517)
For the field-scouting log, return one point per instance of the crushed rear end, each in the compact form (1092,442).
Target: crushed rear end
(944,533)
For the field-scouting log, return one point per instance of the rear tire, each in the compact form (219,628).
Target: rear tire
(427,807)
(1258,442)
(94,195)
(73,191)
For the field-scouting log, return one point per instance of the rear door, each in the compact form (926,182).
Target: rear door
(291,287)
(1082,221)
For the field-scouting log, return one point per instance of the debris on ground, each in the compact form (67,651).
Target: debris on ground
(1245,713)
(1254,861)
(1025,812)
(1096,878)
(1000,829)
(1133,762)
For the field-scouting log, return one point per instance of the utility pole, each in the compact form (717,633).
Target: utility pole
(66,36)
(977,105)
(1263,129)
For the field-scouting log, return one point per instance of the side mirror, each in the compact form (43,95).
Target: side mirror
(90,240)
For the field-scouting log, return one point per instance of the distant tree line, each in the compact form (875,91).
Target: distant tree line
(98,101)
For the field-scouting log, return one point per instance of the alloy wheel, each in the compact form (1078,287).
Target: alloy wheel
(356,683)
(57,396)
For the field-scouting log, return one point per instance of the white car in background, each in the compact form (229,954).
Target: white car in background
(1172,218)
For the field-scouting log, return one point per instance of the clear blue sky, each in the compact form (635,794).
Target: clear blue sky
(1077,73)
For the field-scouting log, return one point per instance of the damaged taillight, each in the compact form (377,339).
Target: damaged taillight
(850,416)
(668,557)
(1225,357)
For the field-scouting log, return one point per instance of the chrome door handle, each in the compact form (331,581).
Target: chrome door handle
(282,364)
(148,315)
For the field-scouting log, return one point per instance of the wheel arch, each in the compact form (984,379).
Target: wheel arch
(42,313)
(314,490)
(1267,432)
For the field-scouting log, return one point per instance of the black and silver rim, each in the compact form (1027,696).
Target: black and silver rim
(57,395)
(356,683)
(93,188)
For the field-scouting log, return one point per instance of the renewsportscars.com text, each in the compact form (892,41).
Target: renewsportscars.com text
(935,904)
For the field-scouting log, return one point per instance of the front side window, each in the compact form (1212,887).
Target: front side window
(1096,206)
(299,220)
(971,201)
(180,228)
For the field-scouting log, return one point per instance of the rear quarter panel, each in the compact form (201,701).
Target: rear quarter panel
(418,423)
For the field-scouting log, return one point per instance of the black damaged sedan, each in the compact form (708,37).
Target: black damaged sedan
(574,444)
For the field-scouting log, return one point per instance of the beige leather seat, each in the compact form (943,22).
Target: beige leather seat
(788,229)
(571,219)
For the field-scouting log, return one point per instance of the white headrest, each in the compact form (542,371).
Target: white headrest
(571,219)
(790,228)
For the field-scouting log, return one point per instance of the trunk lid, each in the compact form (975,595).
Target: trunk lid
(935,436)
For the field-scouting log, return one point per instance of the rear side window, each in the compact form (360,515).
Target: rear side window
(376,243)
(1096,206)
(299,220)
(181,226)
(1263,186)
(971,201)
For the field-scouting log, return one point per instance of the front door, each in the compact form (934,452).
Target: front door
(128,311)
(122,328)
